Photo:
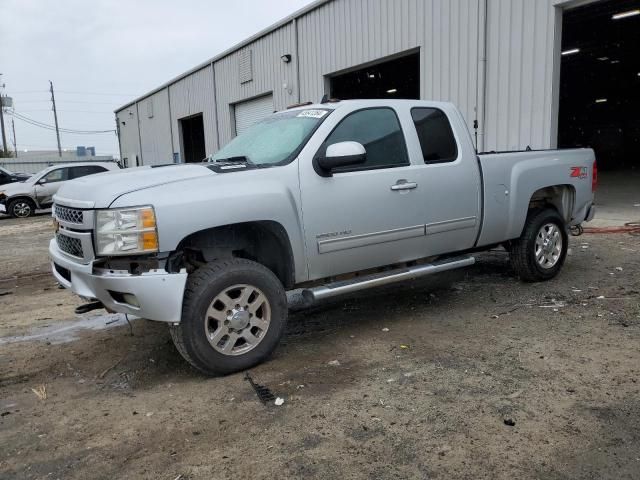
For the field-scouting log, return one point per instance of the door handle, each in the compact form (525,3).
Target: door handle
(404,185)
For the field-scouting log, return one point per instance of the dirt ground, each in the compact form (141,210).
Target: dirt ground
(485,377)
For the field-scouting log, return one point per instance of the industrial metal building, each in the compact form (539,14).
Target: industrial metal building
(524,73)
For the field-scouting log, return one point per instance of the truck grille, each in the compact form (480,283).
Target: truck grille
(69,245)
(69,215)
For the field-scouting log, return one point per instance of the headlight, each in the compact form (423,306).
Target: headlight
(126,231)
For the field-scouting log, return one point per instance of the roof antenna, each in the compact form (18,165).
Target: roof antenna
(325,98)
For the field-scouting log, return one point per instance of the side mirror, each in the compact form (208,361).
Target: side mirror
(342,154)
(42,181)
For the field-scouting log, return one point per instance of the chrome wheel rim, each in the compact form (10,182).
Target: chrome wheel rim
(237,319)
(548,246)
(21,209)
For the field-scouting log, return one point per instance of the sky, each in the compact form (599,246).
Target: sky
(100,54)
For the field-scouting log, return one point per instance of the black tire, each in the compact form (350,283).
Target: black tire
(523,251)
(21,208)
(203,286)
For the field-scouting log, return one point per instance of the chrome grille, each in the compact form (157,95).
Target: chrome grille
(72,246)
(69,215)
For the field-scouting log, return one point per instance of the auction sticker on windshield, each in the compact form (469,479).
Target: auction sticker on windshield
(312,113)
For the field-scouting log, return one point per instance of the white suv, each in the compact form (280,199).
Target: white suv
(23,198)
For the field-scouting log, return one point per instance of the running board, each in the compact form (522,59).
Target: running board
(385,278)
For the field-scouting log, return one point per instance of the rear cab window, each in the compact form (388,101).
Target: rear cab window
(437,142)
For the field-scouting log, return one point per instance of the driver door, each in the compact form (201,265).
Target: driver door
(49,184)
(363,216)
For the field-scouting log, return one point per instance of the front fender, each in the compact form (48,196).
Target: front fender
(228,198)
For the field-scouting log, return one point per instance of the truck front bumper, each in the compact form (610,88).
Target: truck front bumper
(155,295)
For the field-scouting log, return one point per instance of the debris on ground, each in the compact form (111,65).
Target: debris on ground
(279,401)
(40,391)
(334,363)
(385,329)
(264,394)
(510,422)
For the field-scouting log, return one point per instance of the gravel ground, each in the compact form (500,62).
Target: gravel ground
(481,377)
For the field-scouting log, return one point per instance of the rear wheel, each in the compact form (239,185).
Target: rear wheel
(541,250)
(21,208)
(233,315)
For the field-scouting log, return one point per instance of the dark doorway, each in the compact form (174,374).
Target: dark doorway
(600,82)
(192,134)
(397,78)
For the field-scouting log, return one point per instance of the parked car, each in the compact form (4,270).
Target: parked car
(7,176)
(36,192)
(331,198)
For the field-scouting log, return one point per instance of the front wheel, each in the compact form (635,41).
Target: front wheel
(233,315)
(541,250)
(21,208)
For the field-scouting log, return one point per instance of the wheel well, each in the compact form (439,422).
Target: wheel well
(560,197)
(265,242)
(20,197)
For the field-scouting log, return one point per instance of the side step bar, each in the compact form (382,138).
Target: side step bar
(385,278)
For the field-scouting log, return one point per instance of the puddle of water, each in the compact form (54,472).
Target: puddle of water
(65,332)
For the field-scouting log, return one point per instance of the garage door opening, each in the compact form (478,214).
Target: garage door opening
(600,82)
(192,139)
(397,78)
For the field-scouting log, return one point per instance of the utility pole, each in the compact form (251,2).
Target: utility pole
(55,117)
(4,136)
(15,142)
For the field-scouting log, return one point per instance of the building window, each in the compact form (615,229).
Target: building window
(245,66)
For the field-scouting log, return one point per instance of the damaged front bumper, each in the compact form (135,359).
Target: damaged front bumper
(154,295)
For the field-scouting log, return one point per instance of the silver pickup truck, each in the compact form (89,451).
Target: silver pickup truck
(328,198)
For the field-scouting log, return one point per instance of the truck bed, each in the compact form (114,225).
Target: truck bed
(511,179)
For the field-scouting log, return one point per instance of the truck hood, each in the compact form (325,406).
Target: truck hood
(99,191)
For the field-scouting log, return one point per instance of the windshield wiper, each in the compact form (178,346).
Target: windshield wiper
(236,159)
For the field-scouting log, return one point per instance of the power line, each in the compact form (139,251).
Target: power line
(26,92)
(103,112)
(99,93)
(70,101)
(37,123)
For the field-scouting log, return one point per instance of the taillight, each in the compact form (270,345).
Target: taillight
(594,177)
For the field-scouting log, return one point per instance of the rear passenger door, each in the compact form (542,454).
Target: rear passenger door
(449,190)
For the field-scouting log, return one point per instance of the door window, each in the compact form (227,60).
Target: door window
(436,137)
(58,175)
(83,171)
(378,130)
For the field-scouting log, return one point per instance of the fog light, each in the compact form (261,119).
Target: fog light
(130,299)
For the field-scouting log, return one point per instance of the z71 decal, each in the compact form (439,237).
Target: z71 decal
(579,172)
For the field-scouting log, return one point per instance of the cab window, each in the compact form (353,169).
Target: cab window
(58,175)
(379,131)
(435,134)
(84,170)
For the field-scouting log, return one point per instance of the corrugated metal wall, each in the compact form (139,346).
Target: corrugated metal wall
(129,141)
(155,130)
(339,35)
(346,33)
(269,74)
(520,50)
(189,96)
